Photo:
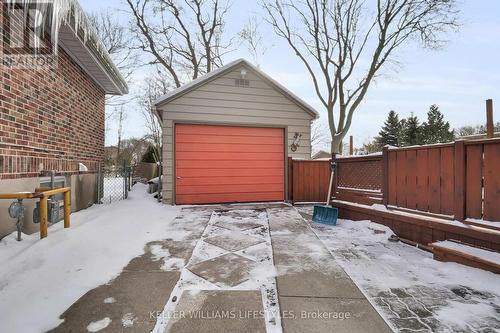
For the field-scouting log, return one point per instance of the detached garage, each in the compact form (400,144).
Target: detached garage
(227,136)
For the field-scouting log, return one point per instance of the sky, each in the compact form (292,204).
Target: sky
(458,78)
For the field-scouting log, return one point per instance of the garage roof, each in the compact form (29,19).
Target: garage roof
(178,92)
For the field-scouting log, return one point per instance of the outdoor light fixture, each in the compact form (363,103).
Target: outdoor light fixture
(243,73)
(296,140)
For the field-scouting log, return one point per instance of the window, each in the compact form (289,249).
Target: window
(242,82)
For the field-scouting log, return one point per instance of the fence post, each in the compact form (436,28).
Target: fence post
(99,185)
(290,179)
(385,176)
(459,183)
(489,119)
(160,176)
(67,208)
(335,175)
(43,217)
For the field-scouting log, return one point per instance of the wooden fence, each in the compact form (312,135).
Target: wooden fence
(359,179)
(423,178)
(482,179)
(457,180)
(308,180)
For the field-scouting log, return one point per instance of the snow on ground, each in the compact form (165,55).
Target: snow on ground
(96,326)
(410,289)
(42,278)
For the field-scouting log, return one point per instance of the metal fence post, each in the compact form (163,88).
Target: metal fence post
(99,183)
(124,175)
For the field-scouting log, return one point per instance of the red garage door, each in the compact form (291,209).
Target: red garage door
(215,164)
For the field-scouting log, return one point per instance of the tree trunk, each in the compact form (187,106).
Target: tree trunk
(336,144)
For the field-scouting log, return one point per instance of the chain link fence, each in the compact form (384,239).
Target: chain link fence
(115,183)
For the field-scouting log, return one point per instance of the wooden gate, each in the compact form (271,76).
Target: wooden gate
(308,180)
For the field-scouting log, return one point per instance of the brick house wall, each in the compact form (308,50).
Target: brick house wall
(50,120)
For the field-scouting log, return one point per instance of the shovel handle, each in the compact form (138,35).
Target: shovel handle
(330,189)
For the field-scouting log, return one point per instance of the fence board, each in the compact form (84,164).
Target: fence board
(310,180)
(434,163)
(474,179)
(401,178)
(392,174)
(422,180)
(447,180)
(492,182)
(411,179)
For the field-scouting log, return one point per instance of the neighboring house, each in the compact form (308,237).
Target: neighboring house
(53,118)
(321,155)
(227,136)
(477,136)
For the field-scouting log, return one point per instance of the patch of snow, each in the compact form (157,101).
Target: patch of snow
(109,300)
(128,319)
(96,326)
(101,241)
(169,263)
(459,314)
(485,222)
(206,251)
(490,256)
(172,264)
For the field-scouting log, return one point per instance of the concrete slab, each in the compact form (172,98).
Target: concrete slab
(218,311)
(227,270)
(317,284)
(233,241)
(132,296)
(326,315)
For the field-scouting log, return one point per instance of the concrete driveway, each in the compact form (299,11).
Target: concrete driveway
(239,268)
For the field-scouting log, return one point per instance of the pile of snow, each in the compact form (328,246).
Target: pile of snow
(42,278)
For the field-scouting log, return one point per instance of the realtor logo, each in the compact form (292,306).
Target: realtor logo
(26,28)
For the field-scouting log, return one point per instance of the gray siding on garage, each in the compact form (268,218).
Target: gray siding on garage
(220,101)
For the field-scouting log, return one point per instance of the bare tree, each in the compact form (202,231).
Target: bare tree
(344,46)
(120,116)
(320,138)
(155,87)
(117,41)
(186,40)
(252,37)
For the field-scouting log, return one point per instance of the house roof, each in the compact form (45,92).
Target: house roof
(79,39)
(178,92)
(73,32)
(321,154)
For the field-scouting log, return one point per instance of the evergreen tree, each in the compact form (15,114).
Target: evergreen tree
(411,135)
(390,132)
(435,129)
